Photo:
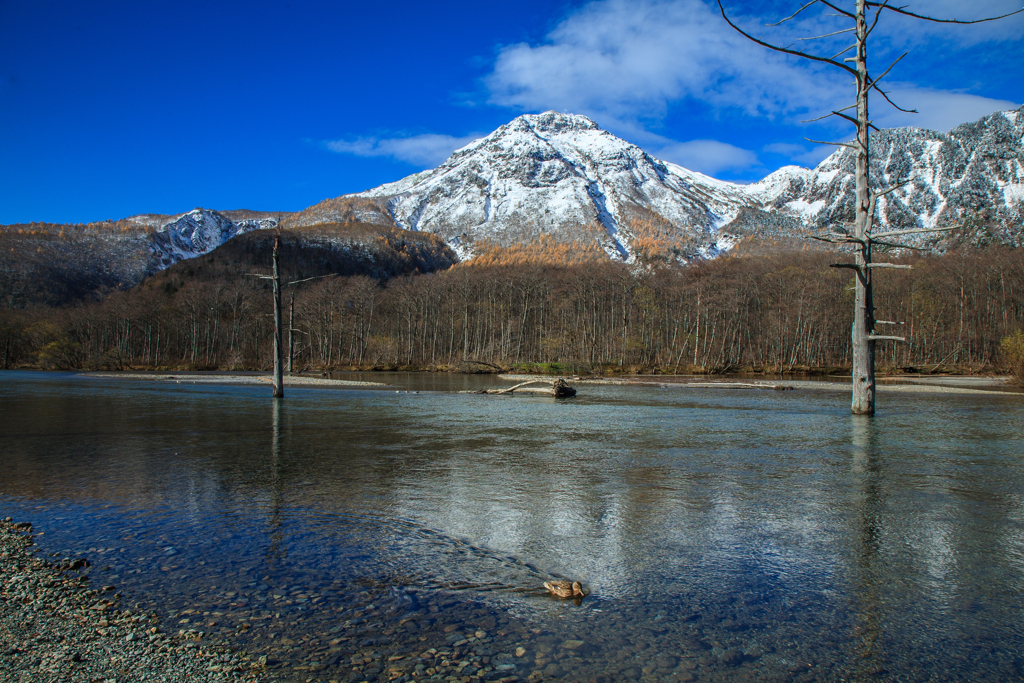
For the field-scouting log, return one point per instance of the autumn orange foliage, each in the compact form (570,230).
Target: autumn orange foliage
(546,250)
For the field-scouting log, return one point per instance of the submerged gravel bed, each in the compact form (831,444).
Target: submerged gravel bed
(56,627)
(229,378)
(1001,386)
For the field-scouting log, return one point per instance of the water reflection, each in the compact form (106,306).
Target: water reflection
(721,535)
(276,549)
(867,507)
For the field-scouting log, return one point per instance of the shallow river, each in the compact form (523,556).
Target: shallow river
(722,535)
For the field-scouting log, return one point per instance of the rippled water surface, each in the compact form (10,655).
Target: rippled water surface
(721,535)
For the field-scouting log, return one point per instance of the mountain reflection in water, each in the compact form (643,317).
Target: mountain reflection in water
(720,535)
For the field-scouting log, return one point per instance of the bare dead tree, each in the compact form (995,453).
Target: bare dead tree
(864,19)
(291,332)
(278,371)
(278,346)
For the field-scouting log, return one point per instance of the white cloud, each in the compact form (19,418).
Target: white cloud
(625,62)
(427,150)
(785,148)
(910,31)
(800,154)
(628,60)
(937,109)
(707,156)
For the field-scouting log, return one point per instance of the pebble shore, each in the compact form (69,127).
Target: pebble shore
(55,627)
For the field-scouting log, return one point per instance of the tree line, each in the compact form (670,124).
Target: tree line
(782,313)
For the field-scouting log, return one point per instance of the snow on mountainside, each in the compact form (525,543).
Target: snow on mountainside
(198,232)
(974,174)
(54,264)
(561,176)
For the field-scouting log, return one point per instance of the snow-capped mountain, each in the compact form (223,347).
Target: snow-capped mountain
(973,174)
(562,176)
(198,232)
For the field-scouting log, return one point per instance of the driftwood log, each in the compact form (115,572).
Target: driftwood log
(558,389)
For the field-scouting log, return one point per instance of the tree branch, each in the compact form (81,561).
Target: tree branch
(897,246)
(892,189)
(838,9)
(829,114)
(872,81)
(878,15)
(837,144)
(889,265)
(900,10)
(815,58)
(295,282)
(844,51)
(834,238)
(793,14)
(848,118)
(913,231)
(874,197)
(886,96)
(827,35)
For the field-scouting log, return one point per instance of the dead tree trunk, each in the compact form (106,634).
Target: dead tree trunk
(863,402)
(291,332)
(278,374)
(559,389)
(278,334)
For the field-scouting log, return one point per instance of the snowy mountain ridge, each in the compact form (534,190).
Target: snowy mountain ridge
(562,176)
(560,185)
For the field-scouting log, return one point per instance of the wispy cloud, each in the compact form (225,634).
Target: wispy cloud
(630,64)
(910,32)
(939,109)
(427,150)
(627,63)
(707,156)
(801,154)
(628,60)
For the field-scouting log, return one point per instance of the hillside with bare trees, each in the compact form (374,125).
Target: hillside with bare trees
(782,313)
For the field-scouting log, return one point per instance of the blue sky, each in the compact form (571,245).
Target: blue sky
(109,109)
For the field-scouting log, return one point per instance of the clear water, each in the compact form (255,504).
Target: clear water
(726,535)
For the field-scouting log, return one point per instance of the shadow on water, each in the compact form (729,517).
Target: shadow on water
(866,470)
(379,536)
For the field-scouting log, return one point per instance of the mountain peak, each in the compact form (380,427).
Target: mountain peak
(551,122)
(531,129)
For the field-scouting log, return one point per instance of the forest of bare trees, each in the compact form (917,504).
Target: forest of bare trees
(782,313)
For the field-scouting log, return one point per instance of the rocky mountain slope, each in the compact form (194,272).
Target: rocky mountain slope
(560,175)
(52,264)
(973,175)
(45,264)
(198,232)
(315,251)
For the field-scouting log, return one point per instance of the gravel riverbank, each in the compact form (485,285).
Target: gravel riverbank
(55,627)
